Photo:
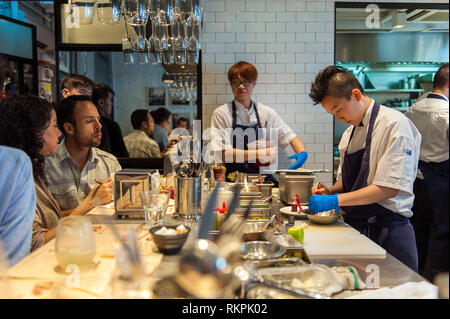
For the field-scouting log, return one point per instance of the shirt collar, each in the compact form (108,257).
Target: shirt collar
(140,133)
(241,106)
(62,153)
(446,98)
(366,119)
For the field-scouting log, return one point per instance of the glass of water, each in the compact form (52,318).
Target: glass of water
(155,205)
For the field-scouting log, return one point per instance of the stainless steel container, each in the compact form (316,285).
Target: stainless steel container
(291,184)
(265,189)
(187,196)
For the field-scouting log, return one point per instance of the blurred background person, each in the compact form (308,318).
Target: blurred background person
(160,134)
(139,142)
(112,139)
(431,187)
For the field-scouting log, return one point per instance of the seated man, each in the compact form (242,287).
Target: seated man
(112,139)
(138,142)
(17,203)
(160,135)
(78,165)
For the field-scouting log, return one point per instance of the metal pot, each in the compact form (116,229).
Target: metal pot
(291,184)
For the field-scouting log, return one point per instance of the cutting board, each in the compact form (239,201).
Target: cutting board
(339,240)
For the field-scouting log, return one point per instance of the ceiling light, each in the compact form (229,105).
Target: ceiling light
(399,20)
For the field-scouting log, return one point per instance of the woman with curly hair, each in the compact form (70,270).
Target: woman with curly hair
(29,123)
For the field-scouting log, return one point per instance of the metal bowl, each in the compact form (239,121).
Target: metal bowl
(257,250)
(169,244)
(254,230)
(323,220)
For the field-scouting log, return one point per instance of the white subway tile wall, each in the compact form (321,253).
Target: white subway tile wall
(289,42)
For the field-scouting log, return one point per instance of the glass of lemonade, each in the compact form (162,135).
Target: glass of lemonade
(74,243)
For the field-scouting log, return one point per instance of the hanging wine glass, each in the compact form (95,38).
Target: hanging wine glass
(136,11)
(109,11)
(127,47)
(82,11)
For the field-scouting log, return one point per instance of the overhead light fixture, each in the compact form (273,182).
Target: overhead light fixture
(399,20)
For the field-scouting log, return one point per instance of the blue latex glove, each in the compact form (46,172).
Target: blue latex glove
(300,157)
(321,203)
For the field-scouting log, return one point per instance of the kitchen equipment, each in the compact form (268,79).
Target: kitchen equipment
(291,184)
(254,230)
(169,244)
(339,240)
(265,189)
(188,197)
(322,219)
(261,250)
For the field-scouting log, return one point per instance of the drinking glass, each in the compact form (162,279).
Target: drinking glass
(75,242)
(82,11)
(109,11)
(155,206)
(136,11)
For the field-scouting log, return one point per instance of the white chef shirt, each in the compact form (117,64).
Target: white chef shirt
(394,155)
(222,119)
(430,116)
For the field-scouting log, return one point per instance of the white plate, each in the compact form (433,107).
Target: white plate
(287,211)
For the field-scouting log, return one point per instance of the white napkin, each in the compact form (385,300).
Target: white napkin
(409,290)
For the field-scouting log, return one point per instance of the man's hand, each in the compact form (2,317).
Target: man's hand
(321,203)
(300,159)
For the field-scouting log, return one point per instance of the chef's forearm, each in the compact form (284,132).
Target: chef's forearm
(367,195)
(297,145)
(236,155)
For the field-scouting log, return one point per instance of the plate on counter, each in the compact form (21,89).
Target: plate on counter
(287,211)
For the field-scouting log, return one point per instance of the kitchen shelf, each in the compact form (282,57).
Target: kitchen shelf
(394,90)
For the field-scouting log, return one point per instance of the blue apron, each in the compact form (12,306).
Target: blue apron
(436,179)
(243,167)
(390,230)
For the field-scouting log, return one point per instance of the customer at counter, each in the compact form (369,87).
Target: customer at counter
(17,201)
(139,142)
(112,138)
(430,220)
(160,135)
(379,155)
(30,124)
(76,84)
(242,114)
(78,165)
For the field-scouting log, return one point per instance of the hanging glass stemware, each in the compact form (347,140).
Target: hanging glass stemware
(127,47)
(82,11)
(109,11)
(136,11)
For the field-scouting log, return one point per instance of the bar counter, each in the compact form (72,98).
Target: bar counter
(32,277)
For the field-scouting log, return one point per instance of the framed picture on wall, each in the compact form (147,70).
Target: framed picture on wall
(157,96)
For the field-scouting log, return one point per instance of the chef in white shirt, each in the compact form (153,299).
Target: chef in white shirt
(251,131)
(431,116)
(379,155)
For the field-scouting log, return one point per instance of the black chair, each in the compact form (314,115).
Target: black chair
(142,163)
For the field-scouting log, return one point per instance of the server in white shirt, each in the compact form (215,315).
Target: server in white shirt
(430,116)
(243,123)
(379,155)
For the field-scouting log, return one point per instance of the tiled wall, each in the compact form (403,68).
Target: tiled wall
(289,42)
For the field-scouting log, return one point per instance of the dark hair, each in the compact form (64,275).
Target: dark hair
(100,92)
(23,119)
(334,81)
(65,109)
(138,117)
(244,70)
(75,81)
(182,119)
(160,115)
(441,77)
